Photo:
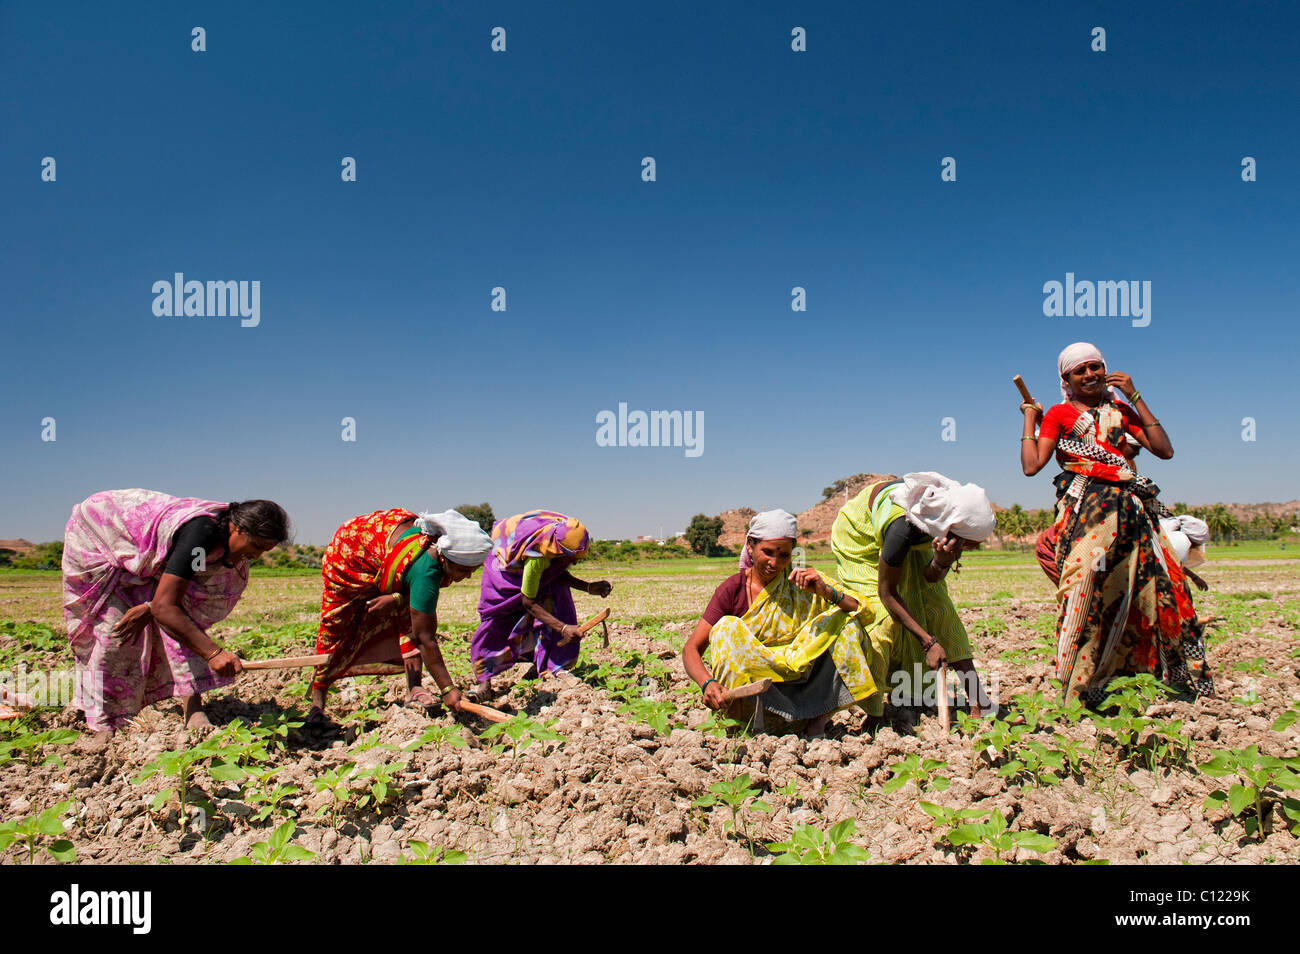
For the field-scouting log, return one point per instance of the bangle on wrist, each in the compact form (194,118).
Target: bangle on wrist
(443,692)
(704,685)
(1030,438)
(215,653)
(1155,423)
(1137,396)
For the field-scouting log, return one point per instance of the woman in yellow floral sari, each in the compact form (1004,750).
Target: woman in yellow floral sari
(794,628)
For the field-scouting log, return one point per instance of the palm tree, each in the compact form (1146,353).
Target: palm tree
(1220,522)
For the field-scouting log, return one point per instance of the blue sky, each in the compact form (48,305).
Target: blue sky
(522,169)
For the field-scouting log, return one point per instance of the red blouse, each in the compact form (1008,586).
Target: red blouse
(1108,431)
(731,598)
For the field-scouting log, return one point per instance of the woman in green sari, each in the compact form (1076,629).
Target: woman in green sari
(894,544)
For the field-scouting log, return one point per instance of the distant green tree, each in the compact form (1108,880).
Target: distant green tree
(1040,520)
(702,533)
(1220,521)
(481,514)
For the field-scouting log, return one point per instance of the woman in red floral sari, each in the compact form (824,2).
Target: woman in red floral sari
(382,573)
(1124,604)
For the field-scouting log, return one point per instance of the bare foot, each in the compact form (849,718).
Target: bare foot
(318,721)
(198,722)
(94,742)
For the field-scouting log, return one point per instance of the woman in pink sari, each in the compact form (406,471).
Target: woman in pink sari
(145,575)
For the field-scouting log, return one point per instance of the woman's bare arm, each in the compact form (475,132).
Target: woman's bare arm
(168,613)
(887,588)
(693,661)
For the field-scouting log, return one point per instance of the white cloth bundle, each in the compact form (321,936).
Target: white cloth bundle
(937,505)
(459,539)
(1187,535)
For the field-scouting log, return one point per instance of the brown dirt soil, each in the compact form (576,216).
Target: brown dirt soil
(615,791)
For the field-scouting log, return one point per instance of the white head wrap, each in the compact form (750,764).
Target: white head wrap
(1187,534)
(938,505)
(459,539)
(769,525)
(1073,356)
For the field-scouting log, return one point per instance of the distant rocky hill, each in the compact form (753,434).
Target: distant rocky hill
(815,522)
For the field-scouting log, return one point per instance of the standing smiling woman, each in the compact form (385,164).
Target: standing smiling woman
(1124,604)
(145,575)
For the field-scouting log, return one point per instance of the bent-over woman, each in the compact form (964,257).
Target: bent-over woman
(793,627)
(526,604)
(894,544)
(382,572)
(145,575)
(1124,604)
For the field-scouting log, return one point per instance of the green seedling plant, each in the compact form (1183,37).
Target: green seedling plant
(995,836)
(363,717)
(238,744)
(338,782)
(657,714)
(1000,740)
(258,793)
(276,850)
(32,745)
(36,830)
(1074,752)
(269,802)
(437,735)
(734,793)
(522,733)
(424,854)
(1262,782)
(379,783)
(180,765)
(1034,762)
(1150,742)
(1039,709)
(949,818)
(924,772)
(371,741)
(277,726)
(811,846)
(719,725)
(1287,719)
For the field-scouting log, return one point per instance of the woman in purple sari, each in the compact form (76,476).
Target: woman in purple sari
(526,607)
(145,575)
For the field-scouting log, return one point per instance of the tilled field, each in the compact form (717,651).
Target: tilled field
(622,767)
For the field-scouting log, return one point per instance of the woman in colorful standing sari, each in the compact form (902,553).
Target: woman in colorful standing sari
(794,628)
(1124,604)
(894,544)
(145,575)
(382,573)
(526,606)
